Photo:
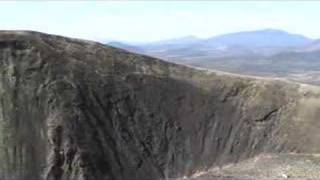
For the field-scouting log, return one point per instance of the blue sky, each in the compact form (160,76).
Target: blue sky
(142,21)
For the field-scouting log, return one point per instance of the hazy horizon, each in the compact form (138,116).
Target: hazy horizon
(140,21)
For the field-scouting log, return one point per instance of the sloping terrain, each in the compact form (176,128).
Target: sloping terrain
(79,110)
(268,167)
(311,47)
(297,66)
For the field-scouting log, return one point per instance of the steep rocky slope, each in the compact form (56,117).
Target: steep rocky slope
(80,110)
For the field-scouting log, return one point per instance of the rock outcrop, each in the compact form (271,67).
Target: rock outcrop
(78,110)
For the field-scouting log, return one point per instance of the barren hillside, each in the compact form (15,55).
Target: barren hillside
(79,110)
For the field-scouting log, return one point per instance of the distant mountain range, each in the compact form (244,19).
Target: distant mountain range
(262,42)
(267,52)
(261,38)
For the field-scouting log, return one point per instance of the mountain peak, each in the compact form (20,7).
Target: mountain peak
(270,30)
(260,38)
